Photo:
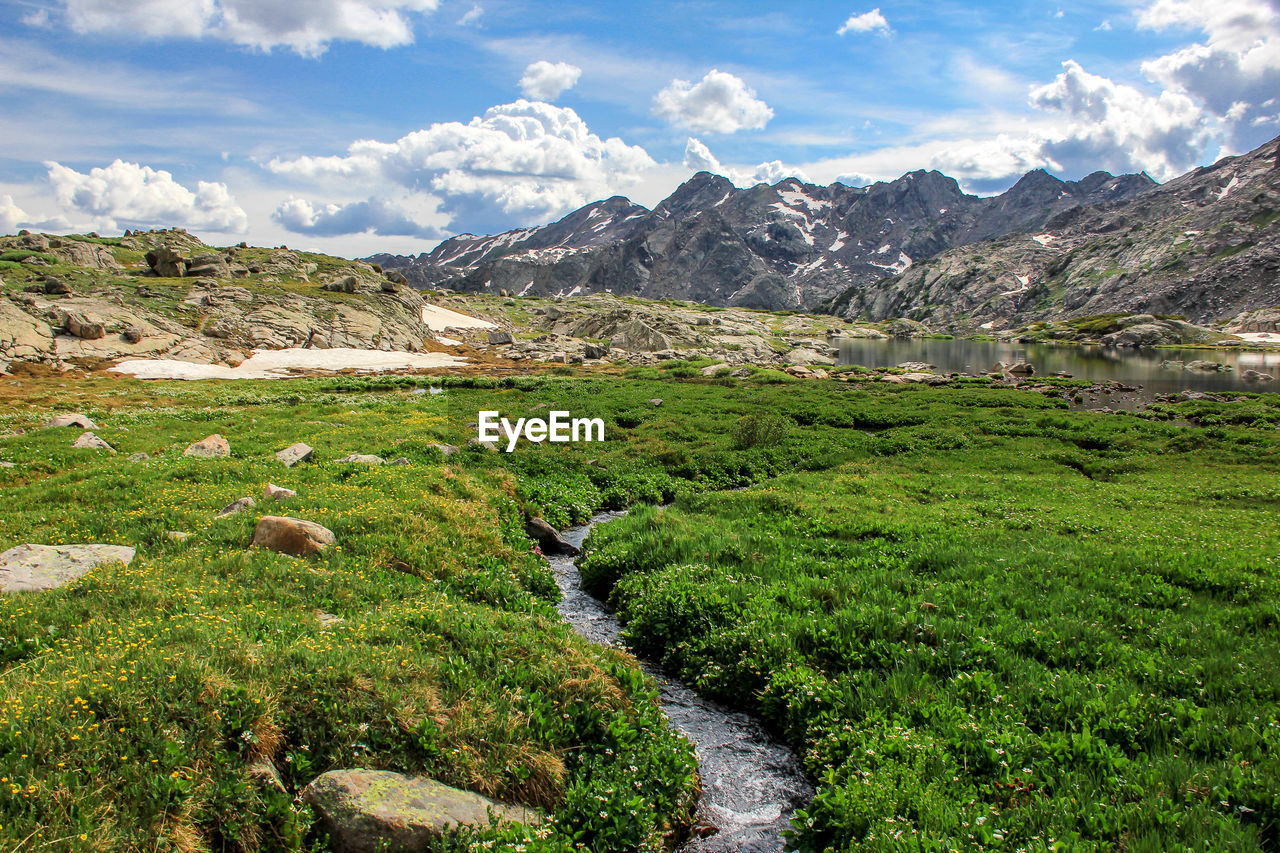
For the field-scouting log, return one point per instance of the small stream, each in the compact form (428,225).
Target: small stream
(751,783)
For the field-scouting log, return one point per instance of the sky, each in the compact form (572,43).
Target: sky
(362,126)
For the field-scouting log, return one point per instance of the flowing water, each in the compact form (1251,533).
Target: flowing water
(751,783)
(1129,366)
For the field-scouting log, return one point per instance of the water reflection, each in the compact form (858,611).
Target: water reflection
(1145,367)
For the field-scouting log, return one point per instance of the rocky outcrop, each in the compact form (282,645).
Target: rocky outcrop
(548,538)
(1204,247)
(371,811)
(789,245)
(31,568)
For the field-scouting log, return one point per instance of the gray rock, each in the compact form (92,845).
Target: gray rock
(132,334)
(713,369)
(56,287)
(295,453)
(918,366)
(487,445)
(1255,376)
(294,536)
(399,463)
(236,507)
(166,262)
(655,402)
(345,284)
(362,459)
(79,326)
(445,449)
(139,457)
(595,351)
(177,536)
(1208,366)
(209,266)
(364,811)
(30,568)
(89,441)
(72,420)
(211,447)
(499,337)
(805,356)
(548,538)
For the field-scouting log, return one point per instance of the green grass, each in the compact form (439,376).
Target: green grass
(1000,628)
(926,590)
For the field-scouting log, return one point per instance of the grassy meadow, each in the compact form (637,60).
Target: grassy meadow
(985,622)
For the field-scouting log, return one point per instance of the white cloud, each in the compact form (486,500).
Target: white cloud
(698,157)
(865,23)
(526,161)
(719,103)
(1120,128)
(128,195)
(1238,62)
(11,216)
(304,27)
(380,216)
(1104,27)
(39,19)
(472,17)
(546,81)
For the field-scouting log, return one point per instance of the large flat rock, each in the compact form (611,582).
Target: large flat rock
(373,810)
(31,568)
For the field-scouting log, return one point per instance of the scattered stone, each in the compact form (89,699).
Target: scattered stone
(1208,366)
(177,535)
(364,811)
(918,367)
(1022,368)
(132,334)
(237,506)
(291,536)
(655,402)
(140,456)
(713,369)
(209,266)
(487,445)
(445,449)
(500,337)
(295,453)
(72,420)
(81,327)
(89,441)
(363,459)
(31,568)
(595,351)
(548,538)
(277,493)
(211,447)
(56,287)
(399,463)
(1255,376)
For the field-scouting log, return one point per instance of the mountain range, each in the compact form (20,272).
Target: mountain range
(880,251)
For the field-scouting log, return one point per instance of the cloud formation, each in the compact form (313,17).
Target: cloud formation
(129,195)
(526,161)
(867,22)
(383,217)
(306,28)
(546,81)
(718,103)
(1235,71)
(11,216)
(698,157)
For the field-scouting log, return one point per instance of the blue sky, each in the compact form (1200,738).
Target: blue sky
(355,126)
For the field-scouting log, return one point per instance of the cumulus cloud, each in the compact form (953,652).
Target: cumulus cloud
(867,22)
(304,27)
(1235,71)
(546,81)
(11,216)
(698,157)
(128,195)
(1120,128)
(718,103)
(523,162)
(384,217)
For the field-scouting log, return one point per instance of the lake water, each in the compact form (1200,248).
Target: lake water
(1097,364)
